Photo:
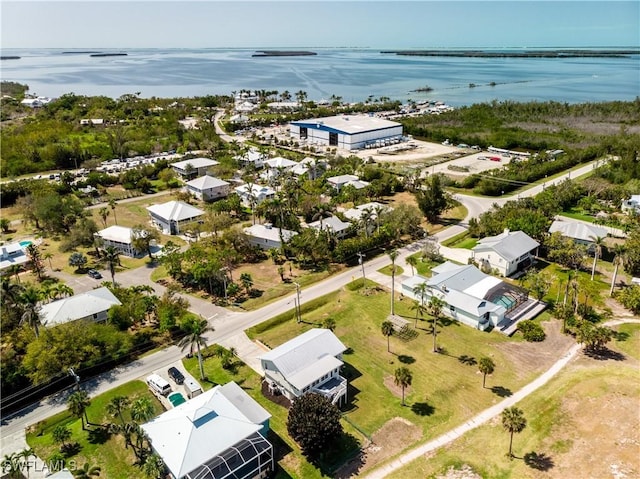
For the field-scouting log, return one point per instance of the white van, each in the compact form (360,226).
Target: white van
(158,384)
(192,388)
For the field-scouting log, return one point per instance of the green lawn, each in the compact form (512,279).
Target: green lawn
(628,340)
(108,453)
(423,266)
(578,214)
(445,390)
(560,426)
(387,270)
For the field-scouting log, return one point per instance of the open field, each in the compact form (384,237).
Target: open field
(583,423)
(447,387)
(103,450)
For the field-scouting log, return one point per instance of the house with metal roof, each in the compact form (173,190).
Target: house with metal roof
(470,296)
(91,305)
(508,252)
(339,182)
(333,224)
(632,205)
(193,167)
(120,238)
(252,194)
(174,216)
(216,435)
(252,157)
(207,188)
(348,132)
(310,362)
(267,237)
(580,233)
(13,253)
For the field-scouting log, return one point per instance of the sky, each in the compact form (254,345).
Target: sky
(123,24)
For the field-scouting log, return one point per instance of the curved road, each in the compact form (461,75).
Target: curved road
(226,323)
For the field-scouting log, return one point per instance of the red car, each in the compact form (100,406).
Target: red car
(495,158)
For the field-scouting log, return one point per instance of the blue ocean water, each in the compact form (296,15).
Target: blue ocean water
(353,74)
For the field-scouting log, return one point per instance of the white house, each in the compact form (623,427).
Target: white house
(173,216)
(339,182)
(356,213)
(313,168)
(334,224)
(207,188)
(13,253)
(632,205)
(216,435)
(348,132)
(275,166)
(194,167)
(508,252)
(267,237)
(580,233)
(310,362)
(252,157)
(470,296)
(120,238)
(251,195)
(92,305)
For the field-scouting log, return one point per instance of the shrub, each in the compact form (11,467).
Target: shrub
(531,331)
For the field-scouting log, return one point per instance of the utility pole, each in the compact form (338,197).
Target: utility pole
(298,311)
(361,261)
(224,282)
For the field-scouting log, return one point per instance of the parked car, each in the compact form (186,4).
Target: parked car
(495,158)
(176,375)
(94,274)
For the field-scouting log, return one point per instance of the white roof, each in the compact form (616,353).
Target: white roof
(192,433)
(269,233)
(356,213)
(312,372)
(280,162)
(78,306)
(342,179)
(296,359)
(175,210)
(206,182)
(255,190)
(332,222)
(577,230)
(482,287)
(350,124)
(509,244)
(195,163)
(121,234)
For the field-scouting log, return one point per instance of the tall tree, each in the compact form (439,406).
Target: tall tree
(432,198)
(314,423)
(142,237)
(618,259)
(403,378)
(598,243)
(486,366)
(393,254)
(420,290)
(77,260)
(35,259)
(247,282)
(30,300)
(112,205)
(387,330)
(112,258)
(142,409)
(435,310)
(116,407)
(513,421)
(420,309)
(78,402)
(153,467)
(104,214)
(413,262)
(195,329)
(61,435)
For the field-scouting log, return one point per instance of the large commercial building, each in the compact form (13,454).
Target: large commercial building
(348,132)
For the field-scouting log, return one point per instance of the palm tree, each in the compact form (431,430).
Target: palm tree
(86,471)
(247,282)
(116,406)
(387,330)
(402,378)
(413,262)
(48,255)
(486,366)
(112,258)
(513,421)
(393,254)
(153,467)
(420,290)
(30,299)
(365,218)
(26,454)
(329,323)
(78,402)
(420,309)
(321,211)
(12,465)
(598,243)
(35,259)
(435,310)
(104,214)
(61,435)
(618,259)
(112,205)
(195,329)
(142,409)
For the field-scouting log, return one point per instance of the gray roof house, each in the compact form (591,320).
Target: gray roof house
(173,216)
(333,223)
(207,188)
(471,296)
(267,237)
(92,305)
(507,252)
(193,167)
(581,233)
(339,182)
(216,435)
(13,254)
(310,362)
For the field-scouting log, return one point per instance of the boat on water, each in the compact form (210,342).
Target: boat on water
(108,55)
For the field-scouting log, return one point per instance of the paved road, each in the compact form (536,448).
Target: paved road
(227,324)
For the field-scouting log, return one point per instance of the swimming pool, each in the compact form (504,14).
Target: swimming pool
(25,243)
(506,302)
